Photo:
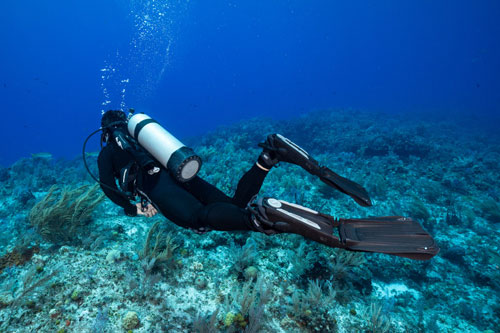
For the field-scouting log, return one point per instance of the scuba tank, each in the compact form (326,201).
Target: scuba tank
(157,146)
(172,154)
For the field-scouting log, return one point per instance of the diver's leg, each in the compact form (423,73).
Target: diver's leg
(204,191)
(250,184)
(225,216)
(175,203)
(185,210)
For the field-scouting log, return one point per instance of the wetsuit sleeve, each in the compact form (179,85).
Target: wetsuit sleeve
(106,176)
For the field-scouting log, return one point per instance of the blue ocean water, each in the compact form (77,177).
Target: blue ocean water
(400,97)
(195,65)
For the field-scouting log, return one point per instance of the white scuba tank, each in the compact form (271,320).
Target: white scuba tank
(180,160)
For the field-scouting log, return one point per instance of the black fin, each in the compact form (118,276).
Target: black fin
(396,235)
(287,151)
(344,185)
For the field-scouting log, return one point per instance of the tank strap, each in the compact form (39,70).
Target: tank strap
(128,178)
(141,125)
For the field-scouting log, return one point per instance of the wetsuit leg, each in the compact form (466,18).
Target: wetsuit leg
(175,203)
(224,216)
(249,185)
(185,210)
(204,191)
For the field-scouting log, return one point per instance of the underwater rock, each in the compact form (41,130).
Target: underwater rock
(113,256)
(250,273)
(131,320)
(200,282)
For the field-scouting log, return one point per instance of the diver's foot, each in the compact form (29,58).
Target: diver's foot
(281,149)
(267,159)
(270,215)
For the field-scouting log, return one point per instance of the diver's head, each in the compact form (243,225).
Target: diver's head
(113,118)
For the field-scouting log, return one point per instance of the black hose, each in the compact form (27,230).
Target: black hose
(90,173)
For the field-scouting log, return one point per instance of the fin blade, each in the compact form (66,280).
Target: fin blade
(396,235)
(344,185)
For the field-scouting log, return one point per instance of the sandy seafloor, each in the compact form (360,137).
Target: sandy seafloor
(438,171)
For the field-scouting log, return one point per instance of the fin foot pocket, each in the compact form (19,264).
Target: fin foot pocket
(287,217)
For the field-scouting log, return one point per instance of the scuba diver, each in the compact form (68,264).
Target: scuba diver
(151,164)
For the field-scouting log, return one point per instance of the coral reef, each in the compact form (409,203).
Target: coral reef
(74,263)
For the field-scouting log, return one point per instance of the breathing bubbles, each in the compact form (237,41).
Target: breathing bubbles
(133,73)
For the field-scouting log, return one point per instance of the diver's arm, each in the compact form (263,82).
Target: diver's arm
(106,176)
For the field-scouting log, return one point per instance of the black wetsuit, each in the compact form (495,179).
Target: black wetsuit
(195,204)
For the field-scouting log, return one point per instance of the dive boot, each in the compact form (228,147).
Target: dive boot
(282,149)
(395,235)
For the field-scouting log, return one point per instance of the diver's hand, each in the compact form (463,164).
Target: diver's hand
(148,211)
